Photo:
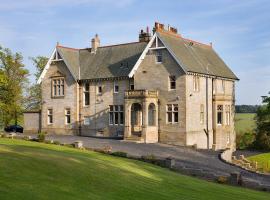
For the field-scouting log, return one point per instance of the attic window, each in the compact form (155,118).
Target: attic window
(158,56)
(58,87)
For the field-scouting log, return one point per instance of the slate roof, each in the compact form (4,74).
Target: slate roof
(196,57)
(119,60)
(107,62)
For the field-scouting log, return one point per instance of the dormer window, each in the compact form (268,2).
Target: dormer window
(115,87)
(158,56)
(58,87)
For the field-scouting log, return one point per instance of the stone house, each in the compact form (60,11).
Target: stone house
(164,88)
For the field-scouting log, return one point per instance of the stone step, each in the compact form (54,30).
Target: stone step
(134,139)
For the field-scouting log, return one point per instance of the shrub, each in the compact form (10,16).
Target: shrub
(244,141)
(41,136)
(150,158)
(56,142)
(222,179)
(119,154)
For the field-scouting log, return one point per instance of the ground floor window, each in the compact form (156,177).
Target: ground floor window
(67,116)
(50,116)
(116,115)
(219,114)
(172,113)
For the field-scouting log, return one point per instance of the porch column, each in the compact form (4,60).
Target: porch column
(145,118)
(127,132)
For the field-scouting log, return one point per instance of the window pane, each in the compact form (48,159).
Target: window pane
(86,98)
(116,108)
(175,107)
(121,107)
(121,118)
(116,118)
(175,116)
(111,118)
(169,107)
(111,108)
(169,117)
(219,117)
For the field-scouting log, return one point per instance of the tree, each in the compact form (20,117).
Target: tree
(14,81)
(262,140)
(33,99)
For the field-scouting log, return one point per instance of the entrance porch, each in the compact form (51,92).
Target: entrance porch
(141,116)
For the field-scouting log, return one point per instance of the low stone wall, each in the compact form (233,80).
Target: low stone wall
(226,155)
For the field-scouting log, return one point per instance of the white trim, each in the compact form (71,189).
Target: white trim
(142,56)
(156,48)
(173,55)
(46,67)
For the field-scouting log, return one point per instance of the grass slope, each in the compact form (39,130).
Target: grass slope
(263,161)
(30,170)
(244,122)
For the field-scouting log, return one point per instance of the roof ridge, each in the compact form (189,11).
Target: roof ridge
(113,45)
(179,36)
(196,42)
(67,47)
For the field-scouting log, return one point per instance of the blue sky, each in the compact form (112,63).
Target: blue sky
(239,30)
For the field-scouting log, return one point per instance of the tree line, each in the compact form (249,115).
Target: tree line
(16,92)
(246,108)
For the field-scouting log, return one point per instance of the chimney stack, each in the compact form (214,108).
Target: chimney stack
(95,43)
(144,36)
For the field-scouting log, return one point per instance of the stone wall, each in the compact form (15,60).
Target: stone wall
(59,69)
(31,122)
(153,76)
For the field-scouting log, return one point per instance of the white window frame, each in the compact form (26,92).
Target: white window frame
(116,85)
(196,83)
(67,114)
(220,111)
(159,57)
(172,79)
(99,86)
(174,110)
(58,87)
(116,110)
(86,92)
(49,116)
(223,86)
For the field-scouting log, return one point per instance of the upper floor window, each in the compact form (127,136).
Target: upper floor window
(172,83)
(50,116)
(67,116)
(158,56)
(116,115)
(223,86)
(86,94)
(131,84)
(58,87)
(172,113)
(202,114)
(196,83)
(99,89)
(219,114)
(115,87)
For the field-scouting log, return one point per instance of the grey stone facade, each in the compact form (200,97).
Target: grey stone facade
(144,108)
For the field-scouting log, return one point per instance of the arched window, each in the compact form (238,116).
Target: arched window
(152,115)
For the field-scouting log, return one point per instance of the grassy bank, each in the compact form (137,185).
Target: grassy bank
(31,170)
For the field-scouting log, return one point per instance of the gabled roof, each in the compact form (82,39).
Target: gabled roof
(110,61)
(123,60)
(195,57)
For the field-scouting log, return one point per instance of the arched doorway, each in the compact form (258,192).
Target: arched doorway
(136,119)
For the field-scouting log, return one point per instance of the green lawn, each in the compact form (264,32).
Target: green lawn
(31,170)
(263,161)
(244,122)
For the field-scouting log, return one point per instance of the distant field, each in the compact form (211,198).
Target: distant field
(244,122)
(263,161)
